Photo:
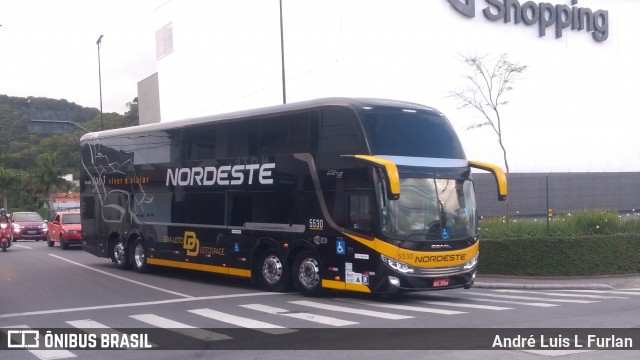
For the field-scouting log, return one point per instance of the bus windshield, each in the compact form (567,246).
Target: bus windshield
(416,133)
(431,209)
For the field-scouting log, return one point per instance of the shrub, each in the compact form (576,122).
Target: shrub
(594,242)
(586,255)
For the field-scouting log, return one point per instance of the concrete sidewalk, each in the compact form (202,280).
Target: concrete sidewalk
(558,283)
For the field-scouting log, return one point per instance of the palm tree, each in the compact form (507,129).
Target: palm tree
(8,179)
(47,177)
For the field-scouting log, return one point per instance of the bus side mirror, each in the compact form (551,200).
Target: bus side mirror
(498,174)
(389,169)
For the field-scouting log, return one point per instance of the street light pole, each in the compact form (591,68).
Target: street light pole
(99,42)
(30,168)
(284,88)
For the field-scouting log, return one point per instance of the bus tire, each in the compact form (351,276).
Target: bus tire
(273,271)
(139,256)
(306,274)
(119,254)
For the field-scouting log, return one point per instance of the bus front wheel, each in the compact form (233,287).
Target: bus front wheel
(306,274)
(274,272)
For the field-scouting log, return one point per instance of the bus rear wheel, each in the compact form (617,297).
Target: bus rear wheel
(119,254)
(140,257)
(273,273)
(306,274)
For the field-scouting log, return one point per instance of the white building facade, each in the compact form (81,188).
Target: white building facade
(575,108)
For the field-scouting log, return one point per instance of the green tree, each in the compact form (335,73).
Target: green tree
(20,148)
(9,180)
(47,177)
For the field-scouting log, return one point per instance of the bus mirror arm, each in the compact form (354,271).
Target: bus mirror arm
(498,174)
(389,169)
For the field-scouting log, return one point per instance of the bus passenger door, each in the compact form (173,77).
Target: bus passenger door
(359,265)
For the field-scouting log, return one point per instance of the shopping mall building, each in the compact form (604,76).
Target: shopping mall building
(574,108)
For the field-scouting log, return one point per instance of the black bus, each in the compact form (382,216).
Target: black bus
(365,195)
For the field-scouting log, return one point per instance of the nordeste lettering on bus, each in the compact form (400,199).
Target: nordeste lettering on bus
(222,175)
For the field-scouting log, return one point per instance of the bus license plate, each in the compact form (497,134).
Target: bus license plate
(440,282)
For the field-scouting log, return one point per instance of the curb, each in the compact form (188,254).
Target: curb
(529,286)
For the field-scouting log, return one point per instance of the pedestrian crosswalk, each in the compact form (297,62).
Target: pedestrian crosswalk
(321,319)
(178,327)
(283,317)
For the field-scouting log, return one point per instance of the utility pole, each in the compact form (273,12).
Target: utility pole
(284,88)
(99,42)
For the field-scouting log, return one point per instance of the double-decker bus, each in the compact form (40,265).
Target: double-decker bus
(365,195)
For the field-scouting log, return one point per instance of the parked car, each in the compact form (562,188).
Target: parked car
(65,229)
(26,225)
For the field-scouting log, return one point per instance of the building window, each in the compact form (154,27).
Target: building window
(164,41)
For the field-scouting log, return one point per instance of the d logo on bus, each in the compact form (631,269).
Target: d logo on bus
(191,243)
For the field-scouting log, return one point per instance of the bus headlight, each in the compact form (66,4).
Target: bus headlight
(398,265)
(471,263)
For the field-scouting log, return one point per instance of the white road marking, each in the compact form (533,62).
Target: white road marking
(466,305)
(559,294)
(52,354)
(87,324)
(242,322)
(615,292)
(179,327)
(22,246)
(326,320)
(120,277)
(536,304)
(404,307)
(350,310)
(146,303)
(44,354)
(556,352)
(533,298)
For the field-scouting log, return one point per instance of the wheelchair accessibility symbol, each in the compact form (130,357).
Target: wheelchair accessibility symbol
(340,245)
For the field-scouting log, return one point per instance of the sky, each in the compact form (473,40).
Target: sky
(48,49)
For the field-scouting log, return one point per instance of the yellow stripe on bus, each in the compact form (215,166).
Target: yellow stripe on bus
(421,258)
(341,285)
(200,267)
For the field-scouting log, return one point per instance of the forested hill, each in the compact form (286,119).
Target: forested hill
(22,152)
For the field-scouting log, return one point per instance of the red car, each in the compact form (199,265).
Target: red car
(65,228)
(28,225)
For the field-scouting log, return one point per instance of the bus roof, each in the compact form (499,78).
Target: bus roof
(353,103)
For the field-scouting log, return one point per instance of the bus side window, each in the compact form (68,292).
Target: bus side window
(337,135)
(285,134)
(199,143)
(136,146)
(359,211)
(239,208)
(238,139)
(88,207)
(164,146)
